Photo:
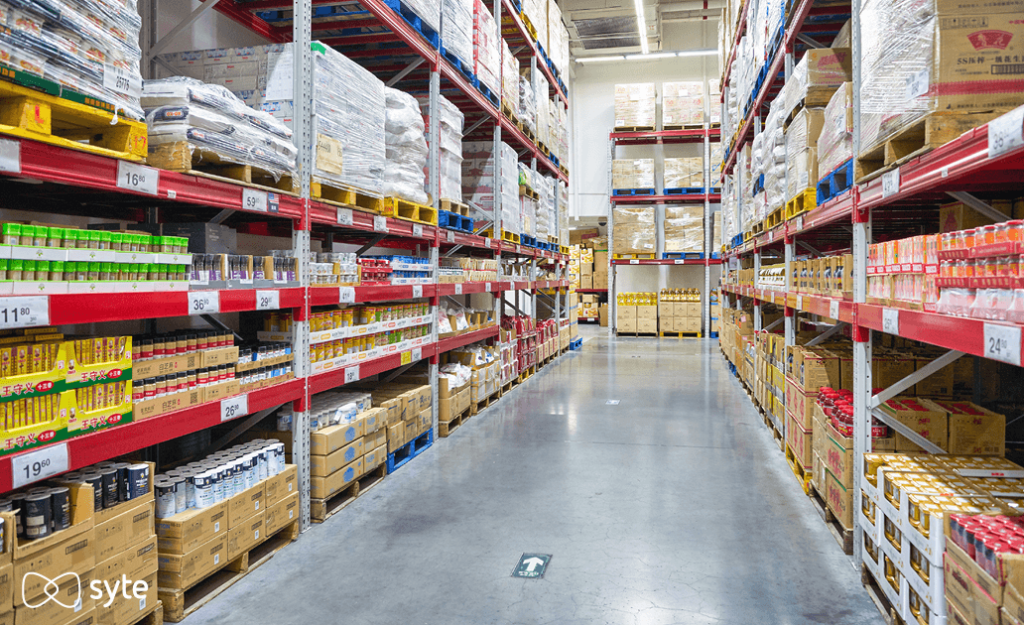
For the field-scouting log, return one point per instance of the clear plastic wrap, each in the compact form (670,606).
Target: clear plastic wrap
(479,187)
(547,225)
(486,50)
(635,105)
(682,104)
(528,215)
(563,213)
(87,46)
(457,29)
(558,38)
(427,10)
(406,148)
(684,228)
(209,119)
(540,94)
(684,172)
(527,105)
(835,143)
(635,173)
(536,11)
(819,72)
(450,123)
(509,78)
(801,150)
(923,56)
(634,230)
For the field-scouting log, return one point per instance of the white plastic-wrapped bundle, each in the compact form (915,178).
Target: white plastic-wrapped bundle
(563,213)
(406,143)
(427,10)
(558,38)
(527,105)
(190,121)
(450,121)
(536,12)
(486,51)
(545,208)
(457,30)
(774,158)
(478,184)
(509,78)
(528,215)
(87,46)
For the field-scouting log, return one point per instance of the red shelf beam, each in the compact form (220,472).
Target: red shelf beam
(959,333)
(321,382)
(329,296)
(455,342)
(664,199)
(667,261)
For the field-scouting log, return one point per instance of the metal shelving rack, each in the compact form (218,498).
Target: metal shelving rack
(92,180)
(988,158)
(704,136)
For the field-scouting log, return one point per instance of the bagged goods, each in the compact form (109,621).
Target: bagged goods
(835,143)
(527,105)
(209,118)
(406,148)
(635,230)
(635,105)
(457,29)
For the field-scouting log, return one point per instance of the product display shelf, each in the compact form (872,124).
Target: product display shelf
(662,261)
(88,449)
(837,212)
(329,296)
(814,304)
(355,371)
(459,340)
(523,40)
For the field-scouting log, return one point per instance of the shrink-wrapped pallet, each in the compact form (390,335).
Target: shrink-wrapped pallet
(457,30)
(479,187)
(682,104)
(835,143)
(635,173)
(450,122)
(684,228)
(541,88)
(527,105)
(486,49)
(635,105)
(801,150)
(634,230)
(406,144)
(509,78)
(816,77)
(684,172)
(536,12)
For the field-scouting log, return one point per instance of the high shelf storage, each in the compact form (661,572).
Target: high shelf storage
(84,183)
(973,165)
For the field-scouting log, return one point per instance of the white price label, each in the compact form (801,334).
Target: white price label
(487,286)
(40,464)
(417,230)
(680,261)
(458,289)
(800,302)
(891,321)
(10,156)
(203,302)
(24,312)
(234,407)
(352,374)
(139,178)
(1006,132)
(121,81)
(268,300)
(891,183)
(833,309)
(345,217)
(451,236)
(1002,343)
(634,261)
(254,200)
(380,224)
(487,242)
(417,290)
(417,354)
(798,223)
(347,295)
(519,248)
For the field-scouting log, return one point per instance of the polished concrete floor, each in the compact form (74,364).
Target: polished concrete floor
(670,506)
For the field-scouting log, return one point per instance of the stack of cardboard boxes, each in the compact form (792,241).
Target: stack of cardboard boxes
(715,310)
(637,313)
(341,454)
(409,405)
(589,306)
(635,106)
(678,316)
(593,269)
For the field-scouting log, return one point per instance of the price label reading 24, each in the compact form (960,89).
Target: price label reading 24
(1003,343)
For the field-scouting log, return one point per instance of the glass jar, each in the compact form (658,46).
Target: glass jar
(1001,232)
(986,235)
(1015,230)
(969,238)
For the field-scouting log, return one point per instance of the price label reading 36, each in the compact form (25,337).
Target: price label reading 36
(203,302)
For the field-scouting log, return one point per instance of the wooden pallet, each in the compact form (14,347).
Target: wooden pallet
(684,126)
(477,407)
(505,388)
(637,334)
(842,535)
(917,138)
(528,25)
(634,129)
(877,596)
(544,148)
(529,133)
(525,191)
(410,211)
(758,228)
(85,126)
(348,197)
(509,113)
(154,615)
(633,256)
(527,373)
(801,203)
(322,509)
(680,335)
(455,207)
(802,475)
(178,603)
(511,237)
(445,428)
(188,158)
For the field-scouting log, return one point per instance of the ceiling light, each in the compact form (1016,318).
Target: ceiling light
(708,52)
(600,59)
(641,25)
(653,55)
(643,57)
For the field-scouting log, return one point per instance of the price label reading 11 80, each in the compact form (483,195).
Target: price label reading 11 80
(138,178)
(24,312)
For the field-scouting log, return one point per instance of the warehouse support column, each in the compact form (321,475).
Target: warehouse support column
(434,188)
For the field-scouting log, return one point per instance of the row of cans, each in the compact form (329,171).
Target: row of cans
(217,477)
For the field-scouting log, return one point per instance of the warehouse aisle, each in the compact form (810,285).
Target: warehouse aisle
(670,506)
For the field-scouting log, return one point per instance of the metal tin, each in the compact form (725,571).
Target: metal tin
(122,481)
(60,506)
(203,484)
(166,499)
(138,480)
(95,479)
(38,515)
(110,489)
(180,493)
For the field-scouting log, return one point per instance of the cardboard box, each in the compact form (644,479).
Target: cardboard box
(839,500)
(332,438)
(799,441)
(376,457)
(217,392)
(974,430)
(7,588)
(246,535)
(396,436)
(52,612)
(324,487)
(322,466)
(124,611)
(181,570)
(649,326)
(245,504)
(135,523)
(920,415)
(281,514)
(281,485)
(187,530)
(812,368)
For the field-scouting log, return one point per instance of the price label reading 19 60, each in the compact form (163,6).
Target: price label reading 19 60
(891,321)
(24,312)
(345,217)
(254,200)
(268,300)
(203,302)
(38,465)
(1003,343)
(234,407)
(352,374)
(138,178)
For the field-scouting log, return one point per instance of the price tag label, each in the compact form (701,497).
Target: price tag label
(1002,343)
(121,81)
(417,354)
(680,261)
(833,309)
(487,242)
(347,295)
(634,261)
(487,286)
(799,222)
(417,290)
(891,183)
(203,302)
(254,200)
(234,407)
(458,289)
(40,464)
(1006,132)
(451,236)
(345,217)
(519,248)
(352,374)
(138,178)
(417,230)
(800,302)
(10,156)
(24,312)
(268,300)
(406,358)
(380,224)
(891,321)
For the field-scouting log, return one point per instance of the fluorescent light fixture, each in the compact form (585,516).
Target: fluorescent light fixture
(641,25)
(600,59)
(653,55)
(644,57)
(708,52)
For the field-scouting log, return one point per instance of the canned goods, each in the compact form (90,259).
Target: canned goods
(180,493)
(60,507)
(122,481)
(38,515)
(110,489)
(138,480)
(166,499)
(203,484)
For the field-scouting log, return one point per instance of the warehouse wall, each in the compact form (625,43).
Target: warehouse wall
(213,30)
